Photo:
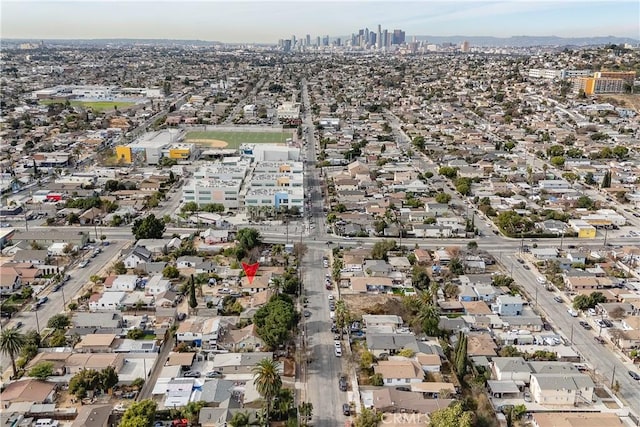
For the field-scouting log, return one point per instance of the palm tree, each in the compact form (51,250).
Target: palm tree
(11,343)
(267,381)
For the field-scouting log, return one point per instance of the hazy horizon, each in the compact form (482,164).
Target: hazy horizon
(267,21)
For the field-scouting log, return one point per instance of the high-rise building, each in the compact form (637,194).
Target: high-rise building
(293,40)
(308,40)
(325,41)
(398,37)
(464,47)
(318,41)
(385,38)
(379,38)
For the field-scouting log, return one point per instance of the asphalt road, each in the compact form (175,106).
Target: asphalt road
(37,320)
(603,358)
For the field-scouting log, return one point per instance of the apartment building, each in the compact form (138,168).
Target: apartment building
(212,190)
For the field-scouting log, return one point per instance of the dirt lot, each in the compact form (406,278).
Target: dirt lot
(624,100)
(373,304)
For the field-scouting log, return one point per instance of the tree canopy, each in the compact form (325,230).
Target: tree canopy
(139,414)
(453,416)
(149,227)
(275,320)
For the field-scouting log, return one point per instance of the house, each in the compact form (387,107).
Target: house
(159,246)
(436,209)
(429,362)
(511,368)
(399,371)
(32,256)
(352,262)
(10,280)
(137,255)
(371,284)
(29,390)
(239,363)
(218,392)
(157,285)
(211,236)
(615,310)
(507,305)
(220,417)
(244,339)
(206,267)
(107,301)
(121,283)
(561,389)
(390,343)
(382,320)
(93,416)
(96,343)
(107,319)
(199,332)
(188,261)
(166,299)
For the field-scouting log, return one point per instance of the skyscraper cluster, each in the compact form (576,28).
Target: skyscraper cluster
(364,38)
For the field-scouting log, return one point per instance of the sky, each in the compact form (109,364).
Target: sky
(267,21)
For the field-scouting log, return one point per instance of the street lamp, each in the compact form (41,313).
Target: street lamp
(37,321)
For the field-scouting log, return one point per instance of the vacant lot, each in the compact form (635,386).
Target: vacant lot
(217,139)
(625,100)
(96,106)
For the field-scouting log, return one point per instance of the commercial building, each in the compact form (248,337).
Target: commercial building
(289,110)
(152,146)
(212,190)
(595,85)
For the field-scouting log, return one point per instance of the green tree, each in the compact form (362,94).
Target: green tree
(248,238)
(58,321)
(448,171)
(191,411)
(139,414)
(381,248)
(193,300)
(243,419)
(429,319)
(306,411)
(585,202)
(456,267)
(11,343)
(419,142)
(606,180)
(108,378)
(420,278)
(342,315)
(620,152)
(275,320)
(83,381)
(453,416)
(41,370)
(149,227)
(443,198)
(171,272)
(267,381)
(376,380)
(189,207)
(368,418)
(588,178)
(119,267)
(463,186)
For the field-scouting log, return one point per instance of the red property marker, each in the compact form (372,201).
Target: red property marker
(250,270)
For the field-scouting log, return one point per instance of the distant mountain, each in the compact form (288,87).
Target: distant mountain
(528,41)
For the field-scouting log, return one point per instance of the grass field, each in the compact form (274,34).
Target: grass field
(234,139)
(96,106)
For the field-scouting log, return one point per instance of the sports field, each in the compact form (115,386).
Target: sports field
(229,139)
(96,106)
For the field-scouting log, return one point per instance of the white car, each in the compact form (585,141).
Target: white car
(330,297)
(572,312)
(338,352)
(83,264)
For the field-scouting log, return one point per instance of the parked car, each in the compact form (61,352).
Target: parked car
(599,340)
(213,374)
(342,383)
(346,409)
(585,325)
(191,374)
(557,299)
(18,325)
(83,264)
(634,375)
(572,312)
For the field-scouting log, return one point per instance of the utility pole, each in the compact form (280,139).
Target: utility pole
(613,376)
(571,338)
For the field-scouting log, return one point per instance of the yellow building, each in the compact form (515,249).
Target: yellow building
(595,85)
(583,228)
(180,151)
(123,153)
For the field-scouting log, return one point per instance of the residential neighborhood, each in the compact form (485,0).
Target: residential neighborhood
(229,236)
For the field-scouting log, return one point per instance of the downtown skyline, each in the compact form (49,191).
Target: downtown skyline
(269,21)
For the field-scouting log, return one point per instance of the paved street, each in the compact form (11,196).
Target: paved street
(58,300)
(601,357)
